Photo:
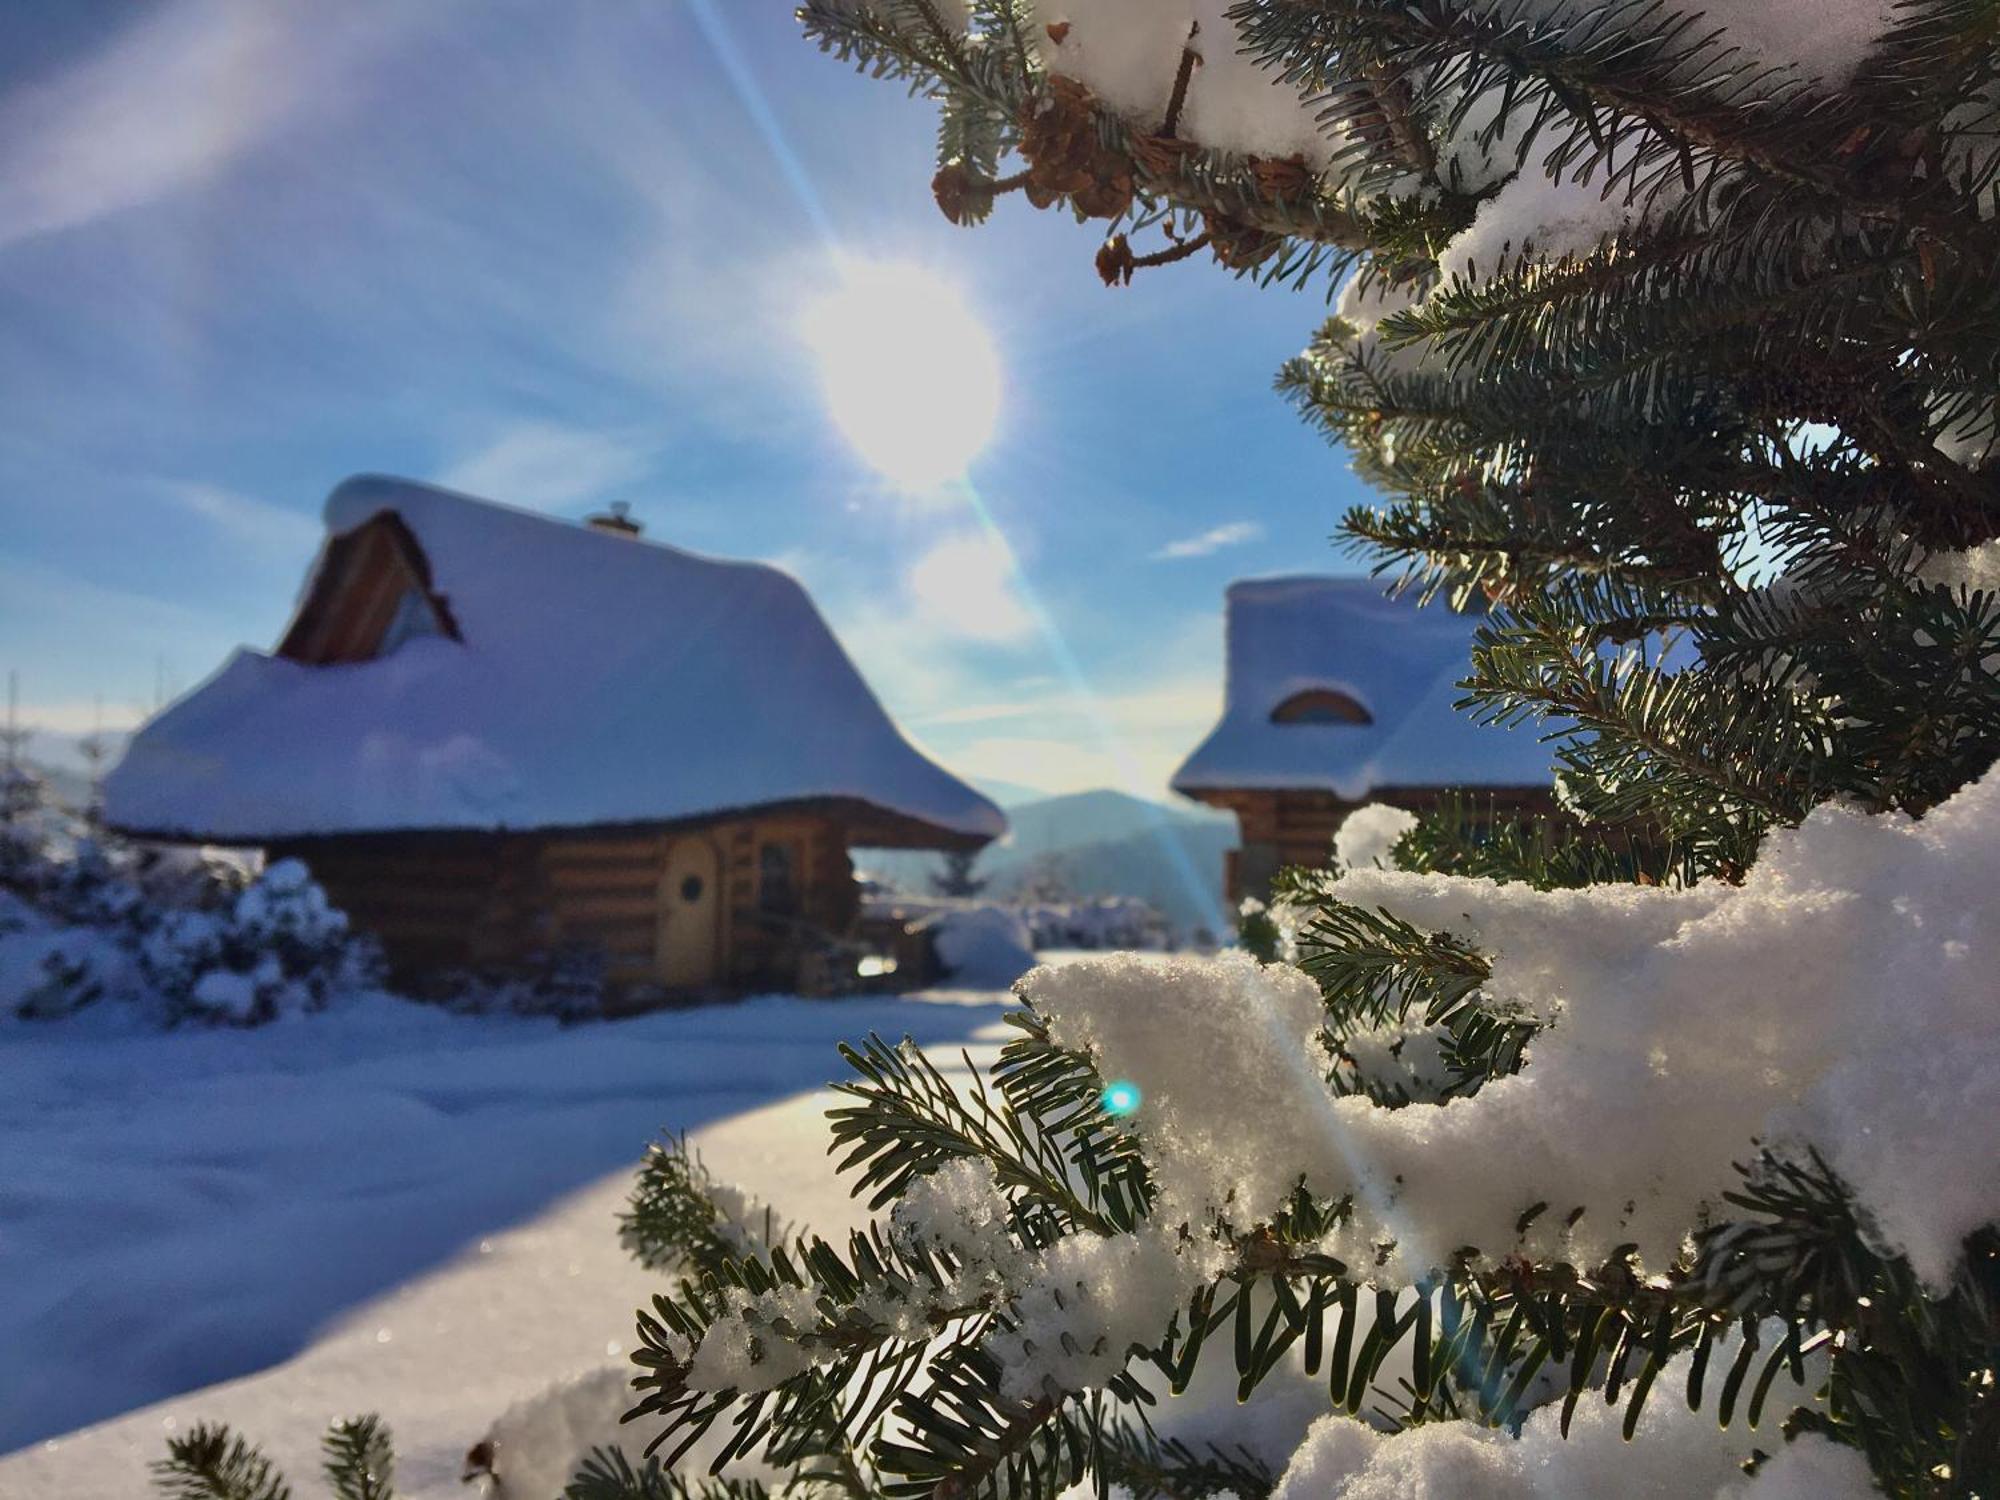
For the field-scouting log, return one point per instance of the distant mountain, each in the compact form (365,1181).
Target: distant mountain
(1007,793)
(1098,843)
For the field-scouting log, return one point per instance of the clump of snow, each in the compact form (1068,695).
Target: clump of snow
(1674,1454)
(1824,39)
(1976,569)
(758,1344)
(1719,1015)
(986,945)
(1366,300)
(1225,1055)
(959,1208)
(1128,54)
(537,1445)
(1973,438)
(1088,1303)
(1406,1062)
(1809,1467)
(1480,153)
(1367,834)
(1235,103)
(1547,218)
(1710,1018)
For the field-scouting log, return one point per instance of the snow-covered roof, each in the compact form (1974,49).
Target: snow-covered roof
(1397,662)
(595,680)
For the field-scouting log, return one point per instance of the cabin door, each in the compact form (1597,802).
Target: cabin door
(689,947)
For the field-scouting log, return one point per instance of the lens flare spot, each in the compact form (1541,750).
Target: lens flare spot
(1120,1098)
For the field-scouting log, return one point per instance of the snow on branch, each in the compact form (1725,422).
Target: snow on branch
(1680,1027)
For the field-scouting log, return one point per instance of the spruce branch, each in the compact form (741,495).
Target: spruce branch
(360,1460)
(212,1463)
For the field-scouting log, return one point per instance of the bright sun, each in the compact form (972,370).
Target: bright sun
(910,373)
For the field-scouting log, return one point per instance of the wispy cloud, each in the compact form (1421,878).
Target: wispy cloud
(176,96)
(1067,741)
(551,467)
(968,585)
(248,521)
(1231,534)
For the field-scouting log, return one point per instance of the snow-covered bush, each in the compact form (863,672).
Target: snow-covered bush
(1095,922)
(190,936)
(566,983)
(77,969)
(981,944)
(278,948)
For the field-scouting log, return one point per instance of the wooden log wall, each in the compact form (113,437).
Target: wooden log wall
(762,947)
(436,901)
(1287,828)
(469,901)
(603,891)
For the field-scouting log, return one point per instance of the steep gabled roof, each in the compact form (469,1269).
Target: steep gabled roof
(566,678)
(1313,651)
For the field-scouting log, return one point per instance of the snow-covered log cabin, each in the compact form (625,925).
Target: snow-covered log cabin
(495,736)
(1339,696)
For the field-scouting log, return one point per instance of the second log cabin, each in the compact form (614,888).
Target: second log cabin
(1336,696)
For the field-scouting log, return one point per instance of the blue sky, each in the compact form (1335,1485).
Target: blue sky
(556,255)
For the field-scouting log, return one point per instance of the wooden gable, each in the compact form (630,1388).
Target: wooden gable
(372,591)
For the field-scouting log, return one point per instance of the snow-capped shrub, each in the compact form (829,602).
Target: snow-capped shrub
(1099,922)
(76,972)
(187,929)
(199,877)
(566,983)
(985,945)
(179,950)
(278,948)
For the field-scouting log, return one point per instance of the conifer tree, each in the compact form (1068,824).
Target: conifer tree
(1672,340)
(956,877)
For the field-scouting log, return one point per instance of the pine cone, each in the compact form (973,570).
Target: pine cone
(1160,155)
(1066,158)
(1116,262)
(1236,244)
(962,197)
(1281,177)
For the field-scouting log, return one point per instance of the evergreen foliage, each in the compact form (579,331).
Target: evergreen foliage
(212,1463)
(1707,469)
(956,878)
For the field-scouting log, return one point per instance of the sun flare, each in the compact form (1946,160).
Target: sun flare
(911,377)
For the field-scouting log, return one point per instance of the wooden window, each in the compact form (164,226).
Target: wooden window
(1321,706)
(777,880)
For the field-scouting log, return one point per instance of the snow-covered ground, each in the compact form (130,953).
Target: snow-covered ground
(380,1208)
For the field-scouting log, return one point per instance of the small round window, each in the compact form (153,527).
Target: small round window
(691,889)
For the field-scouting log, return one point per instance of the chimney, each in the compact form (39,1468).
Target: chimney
(616,521)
